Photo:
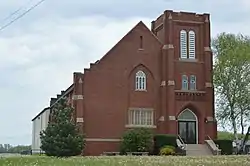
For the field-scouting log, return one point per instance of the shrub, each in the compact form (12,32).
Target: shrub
(137,140)
(226,146)
(162,140)
(167,150)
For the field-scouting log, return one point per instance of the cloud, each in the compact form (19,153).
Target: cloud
(39,52)
(37,64)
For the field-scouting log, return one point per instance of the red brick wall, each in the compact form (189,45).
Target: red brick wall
(96,148)
(172,23)
(109,85)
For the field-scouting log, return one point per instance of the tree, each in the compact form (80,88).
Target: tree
(243,106)
(232,79)
(19,148)
(62,138)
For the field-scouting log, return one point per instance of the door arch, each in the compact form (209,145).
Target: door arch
(188,126)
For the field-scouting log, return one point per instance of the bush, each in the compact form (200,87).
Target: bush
(226,146)
(167,150)
(162,140)
(137,140)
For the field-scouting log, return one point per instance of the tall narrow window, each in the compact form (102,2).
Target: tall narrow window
(140,81)
(141,42)
(183,44)
(192,82)
(191,44)
(184,82)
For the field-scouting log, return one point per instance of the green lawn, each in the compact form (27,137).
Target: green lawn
(127,161)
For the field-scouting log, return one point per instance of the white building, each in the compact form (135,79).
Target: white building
(39,123)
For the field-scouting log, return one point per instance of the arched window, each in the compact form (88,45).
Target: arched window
(187,115)
(183,44)
(184,82)
(140,81)
(192,82)
(191,45)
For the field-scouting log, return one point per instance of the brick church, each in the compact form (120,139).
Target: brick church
(159,78)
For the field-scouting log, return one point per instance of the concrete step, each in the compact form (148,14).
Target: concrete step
(195,146)
(198,150)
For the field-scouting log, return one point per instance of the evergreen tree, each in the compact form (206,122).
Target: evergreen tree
(61,138)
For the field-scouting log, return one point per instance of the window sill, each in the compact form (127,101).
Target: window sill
(140,126)
(188,60)
(138,90)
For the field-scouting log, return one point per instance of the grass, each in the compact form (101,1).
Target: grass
(127,161)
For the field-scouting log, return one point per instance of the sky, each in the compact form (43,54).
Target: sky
(39,52)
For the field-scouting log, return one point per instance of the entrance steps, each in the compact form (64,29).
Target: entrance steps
(198,150)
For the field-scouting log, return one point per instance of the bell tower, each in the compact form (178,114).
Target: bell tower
(186,72)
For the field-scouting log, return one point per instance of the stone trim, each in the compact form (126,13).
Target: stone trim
(163,83)
(79,120)
(168,46)
(140,126)
(171,83)
(210,119)
(208,85)
(162,119)
(190,91)
(77,97)
(170,17)
(172,118)
(80,81)
(207,49)
(136,108)
(188,60)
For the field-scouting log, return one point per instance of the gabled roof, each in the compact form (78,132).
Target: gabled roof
(69,89)
(40,113)
(138,25)
(141,23)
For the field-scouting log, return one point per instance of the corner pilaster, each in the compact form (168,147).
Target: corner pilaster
(78,100)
